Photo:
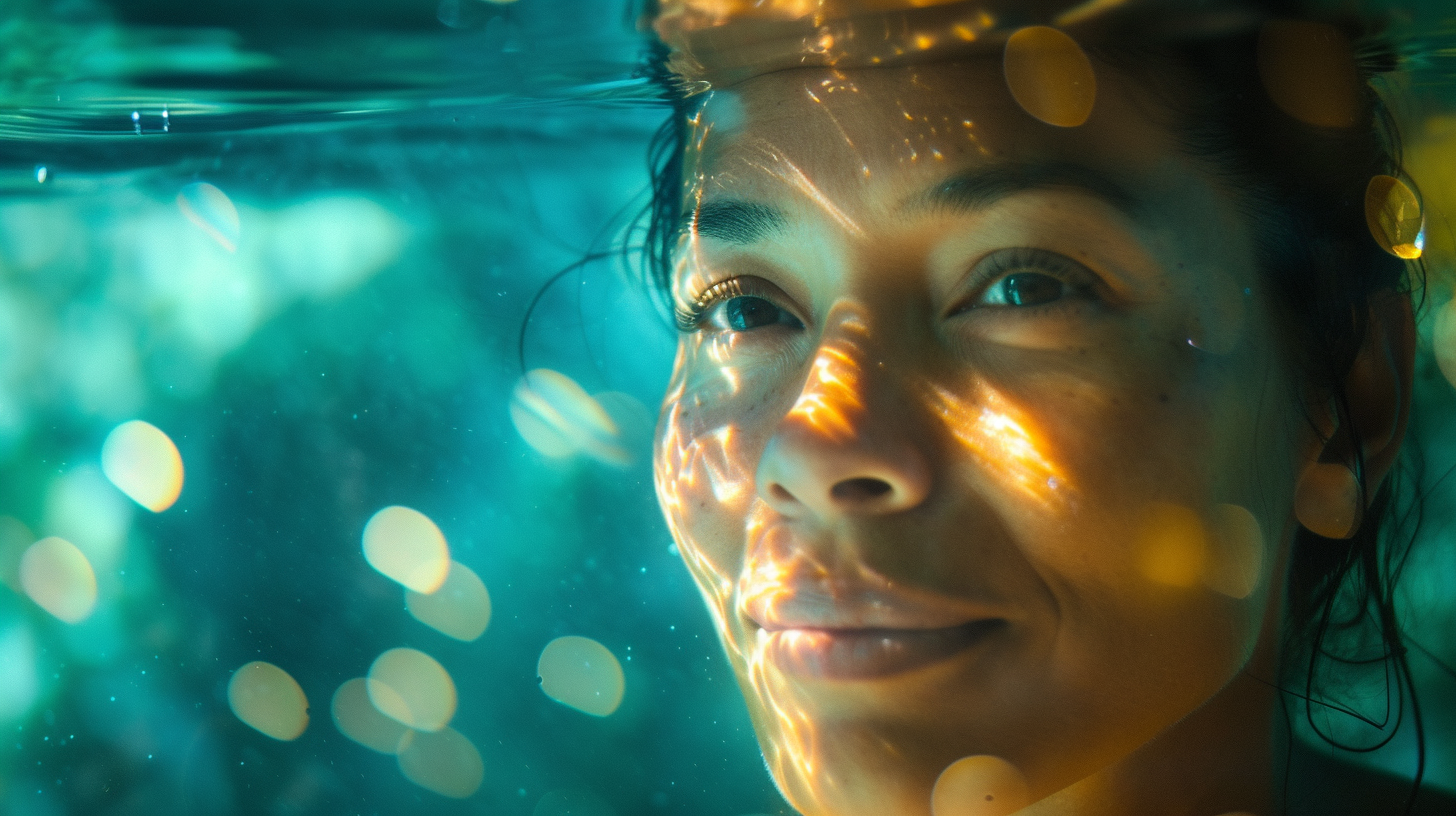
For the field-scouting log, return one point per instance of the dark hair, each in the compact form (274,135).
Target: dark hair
(1303,188)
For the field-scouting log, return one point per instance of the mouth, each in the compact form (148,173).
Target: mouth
(865,654)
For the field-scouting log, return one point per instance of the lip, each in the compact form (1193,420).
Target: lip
(870,653)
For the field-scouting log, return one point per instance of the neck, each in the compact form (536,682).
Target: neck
(1215,761)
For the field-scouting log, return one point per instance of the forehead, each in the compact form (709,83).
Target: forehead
(866,138)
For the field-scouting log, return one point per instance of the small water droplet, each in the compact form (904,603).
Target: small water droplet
(41,173)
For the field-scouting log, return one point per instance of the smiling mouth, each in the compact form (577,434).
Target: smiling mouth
(864,654)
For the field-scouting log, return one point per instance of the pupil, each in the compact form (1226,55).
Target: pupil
(746,313)
(1031,289)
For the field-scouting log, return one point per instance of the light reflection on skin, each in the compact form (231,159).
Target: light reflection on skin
(899,464)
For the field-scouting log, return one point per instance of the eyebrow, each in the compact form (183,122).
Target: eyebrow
(980,187)
(737,222)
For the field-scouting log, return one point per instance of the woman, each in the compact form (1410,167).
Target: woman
(1033,411)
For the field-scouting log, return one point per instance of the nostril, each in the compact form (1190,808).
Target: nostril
(781,494)
(859,489)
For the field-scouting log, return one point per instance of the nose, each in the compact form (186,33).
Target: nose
(846,447)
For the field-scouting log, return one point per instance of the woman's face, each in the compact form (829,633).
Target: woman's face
(979,440)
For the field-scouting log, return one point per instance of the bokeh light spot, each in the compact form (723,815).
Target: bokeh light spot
(405,546)
(57,576)
(1238,551)
(444,761)
(1308,70)
(567,802)
(1327,500)
(460,608)
(412,688)
(1394,216)
(211,211)
(143,463)
(1172,545)
(558,418)
(1050,76)
(979,786)
(268,699)
(356,718)
(581,673)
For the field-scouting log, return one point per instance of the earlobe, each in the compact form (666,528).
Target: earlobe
(1378,397)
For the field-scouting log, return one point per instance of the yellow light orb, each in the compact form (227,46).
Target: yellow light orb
(1308,70)
(581,673)
(57,576)
(1237,551)
(444,761)
(412,688)
(1050,76)
(979,786)
(405,546)
(143,463)
(460,608)
(1394,216)
(1173,545)
(268,699)
(356,718)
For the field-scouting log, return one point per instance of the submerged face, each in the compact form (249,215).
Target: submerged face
(979,442)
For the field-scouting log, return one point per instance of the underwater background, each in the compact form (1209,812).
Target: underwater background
(293,258)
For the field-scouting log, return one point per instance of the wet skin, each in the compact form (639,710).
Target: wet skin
(927,455)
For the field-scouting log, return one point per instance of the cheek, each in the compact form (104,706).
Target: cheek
(703,467)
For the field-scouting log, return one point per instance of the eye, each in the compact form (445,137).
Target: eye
(740,304)
(1026,278)
(751,312)
(1024,289)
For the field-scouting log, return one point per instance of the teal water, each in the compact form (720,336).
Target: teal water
(403,189)
(407,177)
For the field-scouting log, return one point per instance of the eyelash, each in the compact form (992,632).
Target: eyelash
(691,317)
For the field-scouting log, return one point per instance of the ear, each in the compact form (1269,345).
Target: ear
(1378,390)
